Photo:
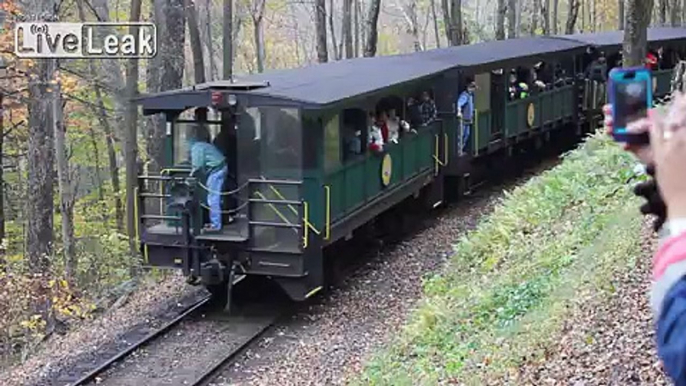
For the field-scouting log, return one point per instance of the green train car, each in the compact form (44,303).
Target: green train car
(301,174)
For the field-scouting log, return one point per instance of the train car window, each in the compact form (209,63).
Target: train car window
(184,131)
(270,143)
(353,133)
(332,143)
(482,96)
(281,138)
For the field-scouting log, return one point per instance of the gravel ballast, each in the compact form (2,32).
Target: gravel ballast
(328,341)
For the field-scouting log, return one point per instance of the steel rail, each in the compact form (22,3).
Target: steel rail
(264,322)
(140,343)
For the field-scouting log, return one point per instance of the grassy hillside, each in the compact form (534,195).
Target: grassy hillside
(508,286)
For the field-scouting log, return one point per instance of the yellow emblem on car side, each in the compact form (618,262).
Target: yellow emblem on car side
(530,115)
(386,169)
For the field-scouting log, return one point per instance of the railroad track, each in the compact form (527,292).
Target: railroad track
(87,371)
(234,333)
(248,327)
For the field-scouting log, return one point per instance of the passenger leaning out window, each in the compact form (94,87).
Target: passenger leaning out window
(414,115)
(428,109)
(375,135)
(395,126)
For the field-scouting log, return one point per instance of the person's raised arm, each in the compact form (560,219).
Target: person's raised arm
(668,295)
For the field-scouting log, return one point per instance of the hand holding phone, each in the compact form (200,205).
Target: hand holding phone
(630,97)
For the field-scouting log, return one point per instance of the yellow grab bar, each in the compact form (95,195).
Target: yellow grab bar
(281,196)
(306,228)
(277,211)
(327,189)
(437,162)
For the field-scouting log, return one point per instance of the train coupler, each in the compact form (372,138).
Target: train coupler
(213,272)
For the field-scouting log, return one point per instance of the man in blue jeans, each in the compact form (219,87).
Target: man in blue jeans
(465,112)
(209,159)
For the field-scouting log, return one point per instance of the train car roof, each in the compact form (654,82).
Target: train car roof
(323,84)
(320,85)
(616,38)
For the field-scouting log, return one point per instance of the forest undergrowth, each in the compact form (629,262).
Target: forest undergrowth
(510,283)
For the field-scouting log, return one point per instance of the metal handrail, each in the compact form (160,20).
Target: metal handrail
(274,224)
(159,217)
(279,202)
(278,182)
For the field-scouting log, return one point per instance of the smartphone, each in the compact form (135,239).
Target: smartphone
(631,95)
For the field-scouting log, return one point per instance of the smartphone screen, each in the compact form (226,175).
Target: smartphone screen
(631,102)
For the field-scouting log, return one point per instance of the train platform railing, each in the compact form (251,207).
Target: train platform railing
(267,212)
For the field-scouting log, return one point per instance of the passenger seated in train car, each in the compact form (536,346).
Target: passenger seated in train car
(428,109)
(353,141)
(541,79)
(652,60)
(396,126)
(519,89)
(561,77)
(354,121)
(597,71)
(209,159)
(413,114)
(375,140)
(465,113)
(669,59)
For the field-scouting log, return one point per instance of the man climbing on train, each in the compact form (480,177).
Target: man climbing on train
(209,159)
(465,113)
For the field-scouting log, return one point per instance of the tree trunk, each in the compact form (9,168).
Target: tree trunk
(372,28)
(165,71)
(208,40)
(410,13)
(356,28)
(500,20)
(435,19)
(572,14)
(546,17)
(130,138)
(96,158)
(112,158)
(456,22)
(320,28)
(347,28)
(103,121)
(662,12)
(196,44)
(258,30)
(620,15)
(227,40)
(638,14)
(447,22)
(332,29)
(40,174)
(511,19)
(3,132)
(65,186)
(554,21)
(675,13)
(534,17)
